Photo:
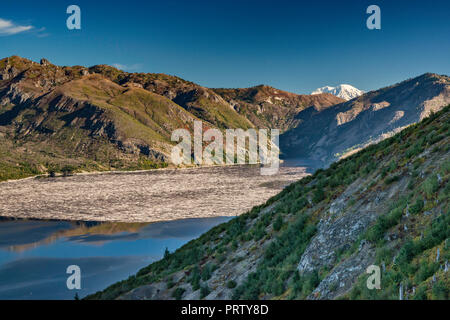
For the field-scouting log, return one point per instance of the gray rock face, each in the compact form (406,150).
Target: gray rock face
(368,118)
(14,95)
(341,278)
(338,231)
(332,236)
(148,292)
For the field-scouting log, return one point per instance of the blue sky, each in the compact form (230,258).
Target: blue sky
(292,45)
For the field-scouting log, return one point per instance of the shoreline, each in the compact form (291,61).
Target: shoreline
(95,223)
(86,173)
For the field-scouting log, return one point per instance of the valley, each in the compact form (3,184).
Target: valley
(387,205)
(364,181)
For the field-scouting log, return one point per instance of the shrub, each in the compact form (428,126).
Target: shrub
(440,291)
(231,284)
(299,204)
(282,254)
(170,283)
(207,271)
(178,293)
(278,287)
(259,233)
(312,281)
(278,223)
(392,179)
(194,279)
(318,195)
(204,291)
(384,223)
(68,170)
(417,206)
(431,186)
(421,293)
(392,166)
(425,271)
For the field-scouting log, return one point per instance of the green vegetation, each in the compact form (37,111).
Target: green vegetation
(204,291)
(413,225)
(415,266)
(384,223)
(279,261)
(178,293)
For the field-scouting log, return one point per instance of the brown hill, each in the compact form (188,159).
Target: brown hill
(268,107)
(56,118)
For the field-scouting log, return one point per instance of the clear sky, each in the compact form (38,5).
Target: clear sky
(292,45)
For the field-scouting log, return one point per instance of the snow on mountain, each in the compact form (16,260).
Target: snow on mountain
(344,91)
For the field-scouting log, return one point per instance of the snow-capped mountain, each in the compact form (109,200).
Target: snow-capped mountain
(344,91)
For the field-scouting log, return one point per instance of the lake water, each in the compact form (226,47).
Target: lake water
(34,254)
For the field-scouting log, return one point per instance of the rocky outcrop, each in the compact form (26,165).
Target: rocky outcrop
(329,134)
(341,279)
(44,62)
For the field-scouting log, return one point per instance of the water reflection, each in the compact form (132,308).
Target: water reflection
(34,254)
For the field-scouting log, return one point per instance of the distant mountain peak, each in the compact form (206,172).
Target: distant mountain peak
(354,124)
(344,91)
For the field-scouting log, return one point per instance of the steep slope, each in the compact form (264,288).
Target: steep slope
(343,91)
(56,118)
(267,107)
(200,101)
(387,205)
(64,118)
(348,126)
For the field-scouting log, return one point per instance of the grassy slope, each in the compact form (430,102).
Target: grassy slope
(59,130)
(201,102)
(139,113)
(62,138)
(275,235)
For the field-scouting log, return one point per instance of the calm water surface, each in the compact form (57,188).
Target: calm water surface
(34,255)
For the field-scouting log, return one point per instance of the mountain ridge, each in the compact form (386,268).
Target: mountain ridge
(353,124)
(100,118)
(134,113)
